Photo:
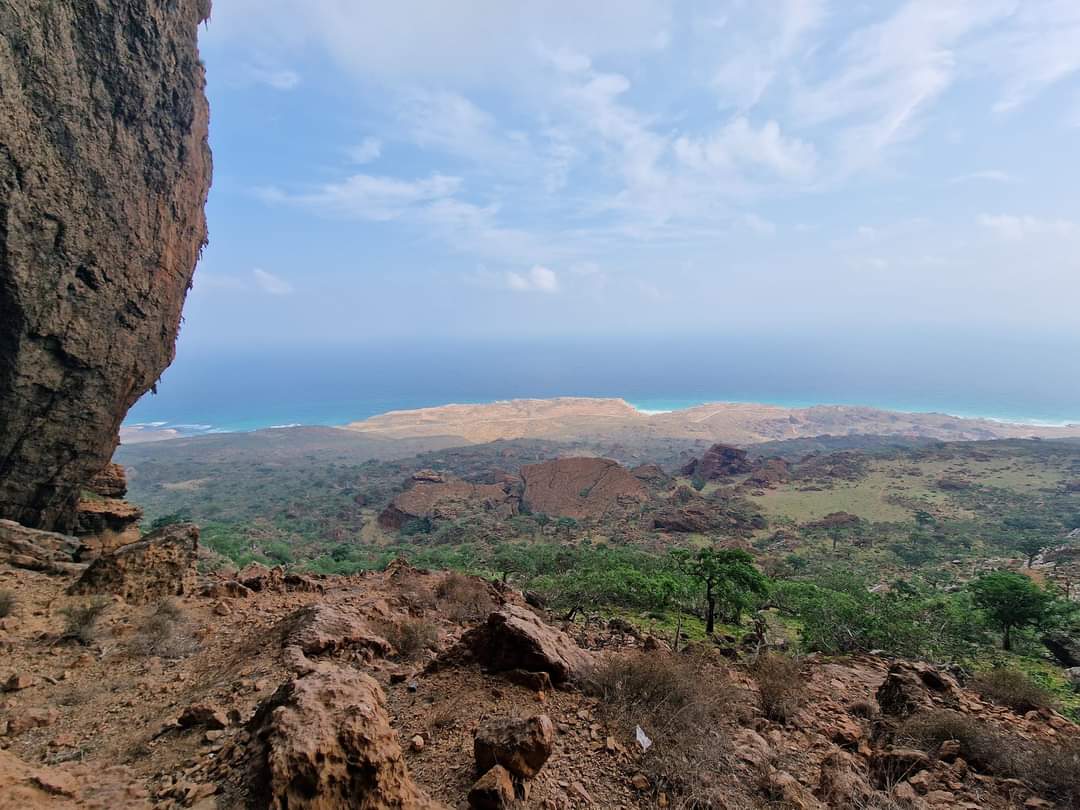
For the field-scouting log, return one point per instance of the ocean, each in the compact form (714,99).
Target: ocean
(211,391)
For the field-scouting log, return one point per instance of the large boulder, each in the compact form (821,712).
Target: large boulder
(515,638)
(521,745)
(1065,648)
(719,461)
(104,171)
(48,552)
(580,487)
(157,567)
(912,686)
(323,741)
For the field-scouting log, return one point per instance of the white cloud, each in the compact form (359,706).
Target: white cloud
(988,175)
(368,150)
(277,78)
(1014,228)
(740,144)
(365,196)
(271,284)
(890,73)
(537,279)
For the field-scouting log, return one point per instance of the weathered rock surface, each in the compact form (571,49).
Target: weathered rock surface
(493,791)
(439,497)
(48,552)
(687,511)
(521,745)
(104,171)
(105,525)
(155,568)
(322,629)
(912,686)
(69,787)
(719,461)
(323,741)
(580,487)
(516,638)
(111,482)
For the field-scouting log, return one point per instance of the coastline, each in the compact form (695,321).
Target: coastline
(161,429)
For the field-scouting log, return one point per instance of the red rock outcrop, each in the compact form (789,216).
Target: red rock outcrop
(104,171)
(520,744)
(48,552)
(324,741)
(580,487)
(435,496)
(160,566)
(719,461)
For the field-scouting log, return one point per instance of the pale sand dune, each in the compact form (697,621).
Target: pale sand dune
(568,418)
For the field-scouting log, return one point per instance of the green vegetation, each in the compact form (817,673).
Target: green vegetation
(913,548)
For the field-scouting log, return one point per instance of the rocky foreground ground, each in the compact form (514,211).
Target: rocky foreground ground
(133,681)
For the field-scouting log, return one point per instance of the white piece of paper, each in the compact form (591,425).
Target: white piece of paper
(643,739)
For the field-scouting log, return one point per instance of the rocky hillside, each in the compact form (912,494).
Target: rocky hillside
(104,171)
(136,682)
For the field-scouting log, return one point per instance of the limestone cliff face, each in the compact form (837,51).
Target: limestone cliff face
(104,171)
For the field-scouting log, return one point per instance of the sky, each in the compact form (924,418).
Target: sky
(488,170)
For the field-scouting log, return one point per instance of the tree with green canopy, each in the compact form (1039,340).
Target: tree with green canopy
(730,580)
(1011,601)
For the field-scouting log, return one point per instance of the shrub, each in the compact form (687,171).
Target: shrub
(984,747)
(1012,688)
(80,621)
(164,633)
(464,598)
(7,604)
(684,710)
(782,689)
(410,637)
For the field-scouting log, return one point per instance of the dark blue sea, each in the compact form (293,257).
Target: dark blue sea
(238,389)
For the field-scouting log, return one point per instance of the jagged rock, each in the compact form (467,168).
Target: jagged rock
(493,791)
(1065,648)
(48,552)
(652,476)
(323,741)
(203,715)
(516,638)
(72,786)
(155,568)
(913,686)
(322,629)
(104,171)
(521,745)
(769,472)
(844,781)
(719,461)
(580,487)
(111,482)
(106,524)
(257,577)
(225,589)
(24,719)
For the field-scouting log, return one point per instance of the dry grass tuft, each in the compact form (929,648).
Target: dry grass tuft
(164,632)
(464,598)
(782,688)
(410,637)
(1012,688)
(685,711)
(80,621)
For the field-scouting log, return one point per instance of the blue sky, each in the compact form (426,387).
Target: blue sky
(432,170)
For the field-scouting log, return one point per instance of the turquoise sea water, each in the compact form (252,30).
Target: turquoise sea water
(212,391)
